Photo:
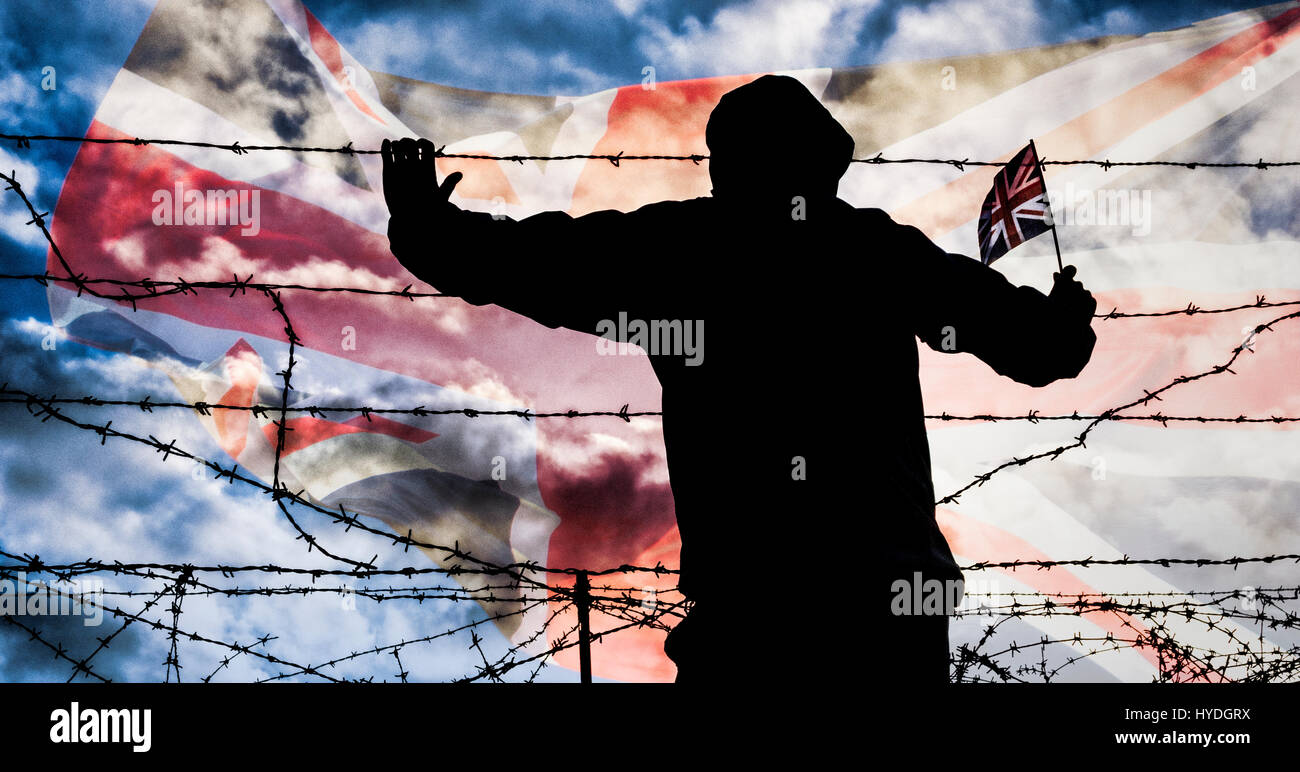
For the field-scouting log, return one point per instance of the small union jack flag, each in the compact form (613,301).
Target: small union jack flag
(1016,208)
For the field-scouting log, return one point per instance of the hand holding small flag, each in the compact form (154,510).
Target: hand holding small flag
(1069,295)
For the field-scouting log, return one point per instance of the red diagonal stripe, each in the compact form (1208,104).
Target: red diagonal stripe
(307,431)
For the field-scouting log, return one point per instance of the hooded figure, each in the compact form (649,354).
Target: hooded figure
(796,448)
(771,140)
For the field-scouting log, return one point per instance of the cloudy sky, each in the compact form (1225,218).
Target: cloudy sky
(544,47)
(56,488)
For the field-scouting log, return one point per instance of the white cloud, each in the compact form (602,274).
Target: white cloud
(963,27)
(1116,21)
(220,257)
(479,380)
(404,45)
(129,251)
(576,450)
(762,35)
(19,93)
(14,215)
(629,8)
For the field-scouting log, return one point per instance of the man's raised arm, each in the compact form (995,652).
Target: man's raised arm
(478,256)
(964,305)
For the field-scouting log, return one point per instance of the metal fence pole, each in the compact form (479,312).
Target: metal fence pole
(582,597)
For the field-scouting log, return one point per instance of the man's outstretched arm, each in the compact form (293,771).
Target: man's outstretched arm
(964,305)
(476,256)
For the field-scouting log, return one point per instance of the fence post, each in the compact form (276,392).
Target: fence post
(582,597)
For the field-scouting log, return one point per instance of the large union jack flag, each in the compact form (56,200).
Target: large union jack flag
(597,494)
(1016,208)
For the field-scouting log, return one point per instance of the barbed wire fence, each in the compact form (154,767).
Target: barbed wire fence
(1153,624)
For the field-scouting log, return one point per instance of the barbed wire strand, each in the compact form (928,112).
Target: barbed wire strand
(1081,439)
(24,142)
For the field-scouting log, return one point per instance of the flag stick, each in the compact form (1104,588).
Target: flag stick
(1059,267)
(1047,201)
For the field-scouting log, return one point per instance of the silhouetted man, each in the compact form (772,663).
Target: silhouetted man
(799,440)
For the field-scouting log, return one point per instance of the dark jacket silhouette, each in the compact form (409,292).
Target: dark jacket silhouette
(811,309)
